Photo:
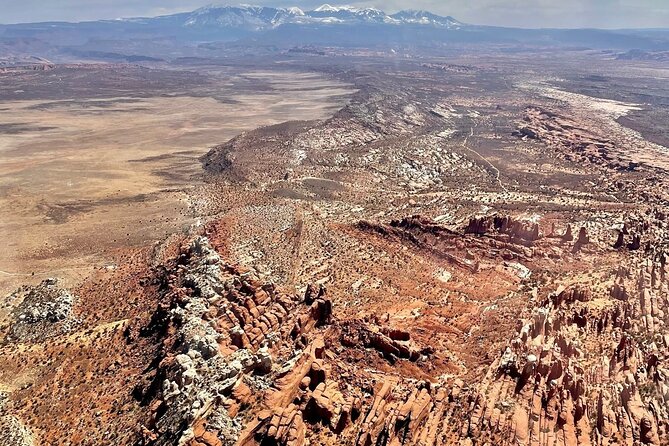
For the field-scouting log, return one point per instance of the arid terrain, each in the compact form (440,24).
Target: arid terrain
(85,174)
(349,247)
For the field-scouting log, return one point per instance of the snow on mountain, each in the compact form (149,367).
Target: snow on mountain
(426,18)
(349,14)
(244,16)
(257,18)
(294,10)
(328,8)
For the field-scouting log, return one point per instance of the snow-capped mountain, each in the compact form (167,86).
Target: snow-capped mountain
(426,18)
(253,18)
(349,14)
(273,28)
(257,18)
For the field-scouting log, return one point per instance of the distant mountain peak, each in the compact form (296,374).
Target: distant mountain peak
(295,10)
(250,17)
(329,8)
(422,17)
(244,16)
(327,13)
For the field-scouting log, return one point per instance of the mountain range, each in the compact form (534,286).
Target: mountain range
(326,25)
(258,18)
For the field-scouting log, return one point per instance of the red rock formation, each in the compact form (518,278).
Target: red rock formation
(515,229)
(568,237)
(620,241)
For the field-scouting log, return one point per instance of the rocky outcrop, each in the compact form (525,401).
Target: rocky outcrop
(44,311)
(393,344)
(582,240)
(224,332)
(635,243)
(13,433)
(240,361)
(574,141)
(232,342)
(517,230)
(620,241)
(550,388)
(567,236)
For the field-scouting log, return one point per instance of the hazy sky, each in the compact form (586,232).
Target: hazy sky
(525,13)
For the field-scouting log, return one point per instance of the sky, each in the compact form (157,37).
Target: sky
(519,13)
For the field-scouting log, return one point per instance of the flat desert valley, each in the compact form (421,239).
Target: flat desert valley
(80,177)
